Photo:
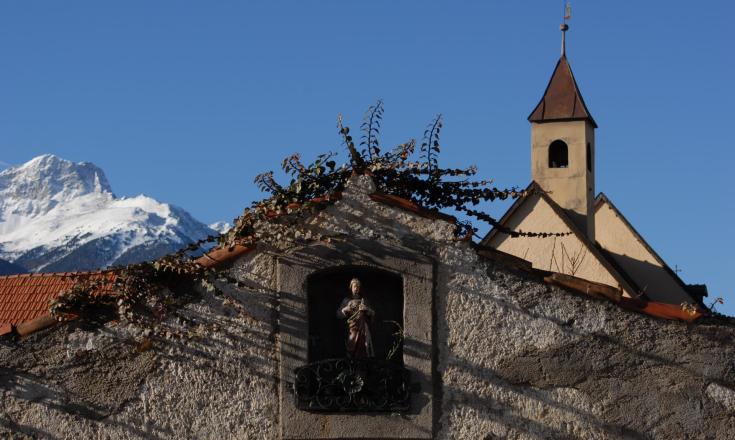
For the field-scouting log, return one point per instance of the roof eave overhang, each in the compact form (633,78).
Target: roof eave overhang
(589,119)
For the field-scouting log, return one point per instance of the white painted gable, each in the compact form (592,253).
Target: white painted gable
(635,257)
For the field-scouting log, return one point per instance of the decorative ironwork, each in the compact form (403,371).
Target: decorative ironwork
(352,385)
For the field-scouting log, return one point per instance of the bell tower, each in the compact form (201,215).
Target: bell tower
(563,145)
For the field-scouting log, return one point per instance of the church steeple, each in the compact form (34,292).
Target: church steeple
(563,145)
(562,100)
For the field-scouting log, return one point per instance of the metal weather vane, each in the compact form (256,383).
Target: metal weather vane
(565,27)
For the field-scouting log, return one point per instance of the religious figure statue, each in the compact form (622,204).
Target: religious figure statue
(359,315)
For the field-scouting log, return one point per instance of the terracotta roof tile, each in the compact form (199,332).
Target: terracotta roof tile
(5,329)
(26,297)
(222,255)
(605,292)
(408,205)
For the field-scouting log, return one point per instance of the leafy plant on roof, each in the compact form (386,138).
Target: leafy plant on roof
(395,171)
(146,292)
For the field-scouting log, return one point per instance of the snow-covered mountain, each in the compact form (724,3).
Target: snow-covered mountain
(221,226)
(57,215)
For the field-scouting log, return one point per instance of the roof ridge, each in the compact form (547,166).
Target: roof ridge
(56,274)
(583,238)
(637,235)
(223,254)
(621,276)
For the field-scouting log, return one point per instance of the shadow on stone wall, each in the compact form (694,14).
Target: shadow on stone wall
(66,382)
(90,383)
(608,371)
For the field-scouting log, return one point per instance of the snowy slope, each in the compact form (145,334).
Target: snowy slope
(57,215)
(221,226)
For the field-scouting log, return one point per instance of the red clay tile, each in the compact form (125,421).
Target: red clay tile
(221,255)
(410,206)
(26,297)
(5,329)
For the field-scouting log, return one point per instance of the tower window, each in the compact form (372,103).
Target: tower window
(589,157)
(558,155)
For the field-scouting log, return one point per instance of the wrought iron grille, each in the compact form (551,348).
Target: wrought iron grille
(352,385)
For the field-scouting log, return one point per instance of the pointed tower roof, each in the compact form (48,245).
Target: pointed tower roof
(562,100)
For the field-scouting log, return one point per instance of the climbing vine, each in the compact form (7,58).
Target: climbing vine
(395,171)
(146,292)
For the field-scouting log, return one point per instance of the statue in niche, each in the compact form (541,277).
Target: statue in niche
(358,313)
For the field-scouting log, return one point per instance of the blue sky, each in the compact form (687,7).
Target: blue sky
(188,101)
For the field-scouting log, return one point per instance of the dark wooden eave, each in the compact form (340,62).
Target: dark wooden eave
(562,100)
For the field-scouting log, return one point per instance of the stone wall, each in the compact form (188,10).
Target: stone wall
(211,375)
(513,357)
(519,359)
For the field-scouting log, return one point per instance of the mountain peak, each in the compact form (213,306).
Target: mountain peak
(221,226)
(48,157)
(59,215)
(48,179)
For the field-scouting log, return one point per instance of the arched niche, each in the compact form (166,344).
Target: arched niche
(302,266)
(326,289)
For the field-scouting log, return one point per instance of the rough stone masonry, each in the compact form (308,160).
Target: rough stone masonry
(511,357)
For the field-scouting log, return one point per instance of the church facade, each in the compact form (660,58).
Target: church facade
(599,243)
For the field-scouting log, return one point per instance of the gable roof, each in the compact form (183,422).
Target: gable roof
(601,200)
(535,189)
(691,290)
(25,298)
(223,255)
(562,100)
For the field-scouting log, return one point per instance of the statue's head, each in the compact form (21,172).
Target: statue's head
(355,287)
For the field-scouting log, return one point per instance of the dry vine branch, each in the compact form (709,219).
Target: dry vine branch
(151,289)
